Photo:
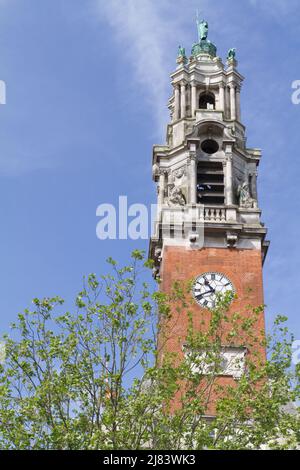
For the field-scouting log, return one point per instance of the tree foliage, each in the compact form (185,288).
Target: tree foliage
(94,378)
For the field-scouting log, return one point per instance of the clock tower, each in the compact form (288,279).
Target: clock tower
(208,228)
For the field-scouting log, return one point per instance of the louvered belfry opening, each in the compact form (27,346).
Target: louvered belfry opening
(210,183)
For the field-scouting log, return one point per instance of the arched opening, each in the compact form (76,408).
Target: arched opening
(207,101)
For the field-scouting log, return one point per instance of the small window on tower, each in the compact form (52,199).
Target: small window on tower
(207,101)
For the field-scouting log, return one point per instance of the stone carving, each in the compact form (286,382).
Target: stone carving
(176,197)
(232,131)
(188,128)
(231,54)
(232,240)
(179,173)
(170,179)
(202,30)
(244,196)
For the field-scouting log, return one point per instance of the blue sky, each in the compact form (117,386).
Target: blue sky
(87,86)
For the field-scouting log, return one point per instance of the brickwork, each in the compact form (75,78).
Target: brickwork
(242,267)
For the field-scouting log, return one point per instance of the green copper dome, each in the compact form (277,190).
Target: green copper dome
(204,47)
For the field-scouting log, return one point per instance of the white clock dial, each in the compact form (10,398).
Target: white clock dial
(208,286)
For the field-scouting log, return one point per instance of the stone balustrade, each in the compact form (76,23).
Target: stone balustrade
(198,213)
(215,214)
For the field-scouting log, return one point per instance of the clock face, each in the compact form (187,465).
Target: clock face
(208,286)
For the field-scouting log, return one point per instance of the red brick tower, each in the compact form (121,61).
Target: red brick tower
(208,227)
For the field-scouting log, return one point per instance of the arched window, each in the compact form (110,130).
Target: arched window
(207,101)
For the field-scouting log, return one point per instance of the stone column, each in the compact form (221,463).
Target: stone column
(227,102)
(188,101)
(253,187)
(193,177)
(232,103)
(221,97)
(228,180)
(238,103)
(161,194)
(177,103)
(194,99)
(182,100)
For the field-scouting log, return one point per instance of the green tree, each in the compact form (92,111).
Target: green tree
(94,378)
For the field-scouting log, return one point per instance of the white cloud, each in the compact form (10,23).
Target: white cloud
(146,29)
(148,32)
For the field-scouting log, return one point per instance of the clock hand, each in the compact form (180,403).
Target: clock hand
(206,283)
(205,293)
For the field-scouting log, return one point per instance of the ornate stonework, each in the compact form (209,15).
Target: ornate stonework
(205,168)
(176,197)
(208,219)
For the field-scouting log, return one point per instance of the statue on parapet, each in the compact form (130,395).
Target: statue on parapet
(181,51)
(244,196)
(181,56)
(231,54)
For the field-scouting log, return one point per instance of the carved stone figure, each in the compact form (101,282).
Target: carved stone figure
(176,197)
(179,173)
(244,196)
